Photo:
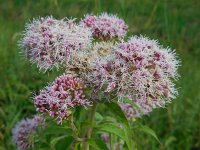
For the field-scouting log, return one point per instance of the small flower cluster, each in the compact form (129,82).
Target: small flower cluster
(56,99)
(24,131)
(141,70)
(105,26)
(82,63)
(49,42)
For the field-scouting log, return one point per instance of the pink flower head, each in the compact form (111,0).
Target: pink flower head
(23,132)
(49,42)
(141,70)
(105,26)
(56,99)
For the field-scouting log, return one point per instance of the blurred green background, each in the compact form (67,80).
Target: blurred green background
(175,23)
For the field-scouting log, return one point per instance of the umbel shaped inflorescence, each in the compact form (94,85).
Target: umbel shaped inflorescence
(94,54)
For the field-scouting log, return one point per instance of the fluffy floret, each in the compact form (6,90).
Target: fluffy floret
(49,42)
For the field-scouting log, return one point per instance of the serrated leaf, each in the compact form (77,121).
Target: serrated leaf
(97,144)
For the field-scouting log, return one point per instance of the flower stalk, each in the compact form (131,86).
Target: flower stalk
(89,131)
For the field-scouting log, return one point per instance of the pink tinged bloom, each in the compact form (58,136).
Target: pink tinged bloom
(142,70)
(111,86)
(59,97)
(130,111)
(49,42)
(105,26)
(24,131)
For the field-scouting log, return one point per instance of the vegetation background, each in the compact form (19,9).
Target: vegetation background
(175,23)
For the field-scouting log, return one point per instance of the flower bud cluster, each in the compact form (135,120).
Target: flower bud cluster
(59,97)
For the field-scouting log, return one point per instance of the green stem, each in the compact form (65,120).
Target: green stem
(73,127)
(89,131)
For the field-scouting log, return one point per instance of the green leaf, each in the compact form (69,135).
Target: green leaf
(61,142)
(147,130)
(119,114)
(55,140)
(98,116)
(57,130)
(129,101)
(77,112)
(64,143)
(97,144)
(169,140)
(112,128)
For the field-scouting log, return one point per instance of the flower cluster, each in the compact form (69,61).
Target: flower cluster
(82,63)
(24,131)
(56,99)
(49,42)
(95,52)
(141,70)
(105,26)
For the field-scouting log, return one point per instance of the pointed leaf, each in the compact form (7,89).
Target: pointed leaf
(147,130)
(97,144)
(55,140)
(112,128)
(119,114)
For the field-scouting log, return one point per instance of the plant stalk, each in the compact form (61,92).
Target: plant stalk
(89,131)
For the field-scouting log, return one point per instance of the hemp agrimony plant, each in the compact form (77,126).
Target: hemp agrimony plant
(107,84)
